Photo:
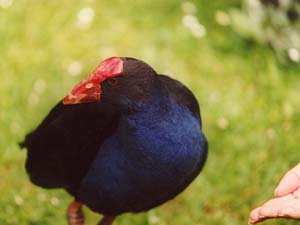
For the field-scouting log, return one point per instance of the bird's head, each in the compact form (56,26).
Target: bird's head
(119,81)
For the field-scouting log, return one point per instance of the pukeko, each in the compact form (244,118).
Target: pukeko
(135,143)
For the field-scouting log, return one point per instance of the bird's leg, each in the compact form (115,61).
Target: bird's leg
(107,220)
(74,214)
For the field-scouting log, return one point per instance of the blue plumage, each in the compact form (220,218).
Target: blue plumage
(153,156)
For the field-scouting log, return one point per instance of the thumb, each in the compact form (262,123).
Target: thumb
(289,183)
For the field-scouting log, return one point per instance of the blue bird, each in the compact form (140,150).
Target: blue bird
(135,143)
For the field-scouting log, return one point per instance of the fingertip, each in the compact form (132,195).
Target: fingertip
(254,216)
(277,192)
(256,220)
(254,212)
(250,223)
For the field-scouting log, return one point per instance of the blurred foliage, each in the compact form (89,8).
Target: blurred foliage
(249,103)
(272,22)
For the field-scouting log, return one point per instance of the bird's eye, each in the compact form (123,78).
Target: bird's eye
(112,81)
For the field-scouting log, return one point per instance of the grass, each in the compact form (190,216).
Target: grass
(249,103)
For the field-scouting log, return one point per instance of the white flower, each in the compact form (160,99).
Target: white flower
(253,4)
(294,54)
(54,201)
(222,18)
(222,123)
(85,17)
(153,219)
(75,68)
(6,3)
(192,23)
(39,86)
(189,20)
(18,200)
(199,31)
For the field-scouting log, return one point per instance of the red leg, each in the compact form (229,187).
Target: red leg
(107,220)
(74,214)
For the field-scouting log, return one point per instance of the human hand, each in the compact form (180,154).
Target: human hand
(286,203)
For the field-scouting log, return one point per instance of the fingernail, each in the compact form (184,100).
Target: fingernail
(250,223)
(261,217)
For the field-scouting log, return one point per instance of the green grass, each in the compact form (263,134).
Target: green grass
(249,103)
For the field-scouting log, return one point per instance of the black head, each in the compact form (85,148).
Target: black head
(133,87)
(124,82)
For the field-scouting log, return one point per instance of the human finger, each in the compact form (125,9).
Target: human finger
(270,209)
(254,216)
(289,183)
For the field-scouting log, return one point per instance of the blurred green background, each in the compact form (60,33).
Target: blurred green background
(249,100)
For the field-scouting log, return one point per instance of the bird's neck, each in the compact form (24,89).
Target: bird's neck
(160,120)
(152,112)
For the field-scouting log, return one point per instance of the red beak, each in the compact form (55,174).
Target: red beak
(89,90)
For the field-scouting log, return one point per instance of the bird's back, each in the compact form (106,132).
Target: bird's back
(181,94)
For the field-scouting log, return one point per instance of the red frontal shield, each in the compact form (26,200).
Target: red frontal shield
(89,90)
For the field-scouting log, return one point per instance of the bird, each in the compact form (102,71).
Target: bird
(125,139)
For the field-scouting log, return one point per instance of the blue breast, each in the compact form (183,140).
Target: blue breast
(154,155)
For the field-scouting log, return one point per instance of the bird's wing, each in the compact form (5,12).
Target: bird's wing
(62,147)
(181,94)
